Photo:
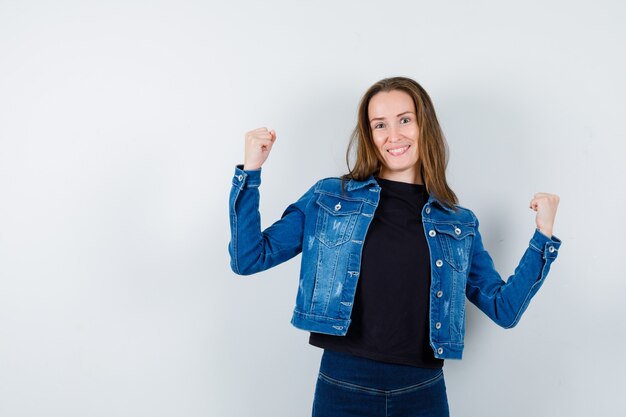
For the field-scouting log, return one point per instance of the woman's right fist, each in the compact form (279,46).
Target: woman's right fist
(258,146)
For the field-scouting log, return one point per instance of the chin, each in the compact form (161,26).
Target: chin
(398,167)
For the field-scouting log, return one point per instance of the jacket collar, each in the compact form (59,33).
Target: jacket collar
(353,184)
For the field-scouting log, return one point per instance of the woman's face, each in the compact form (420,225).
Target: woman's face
(395,133)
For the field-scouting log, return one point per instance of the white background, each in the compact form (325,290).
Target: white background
(120,126)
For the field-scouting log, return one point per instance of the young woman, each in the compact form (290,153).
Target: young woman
(388,258)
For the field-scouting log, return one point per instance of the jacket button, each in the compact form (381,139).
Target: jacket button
(457,230)
(440,351)
(432,233)
(239,177)
(551,249)
(439,294)
(338,207)
(427,210)
(439,263)
(437,325)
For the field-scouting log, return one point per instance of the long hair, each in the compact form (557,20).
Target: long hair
(432,148)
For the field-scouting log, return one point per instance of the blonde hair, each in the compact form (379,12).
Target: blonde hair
(433,151)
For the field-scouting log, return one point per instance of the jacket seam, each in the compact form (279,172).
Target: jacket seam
(526,299)
(313,315)
(236,235)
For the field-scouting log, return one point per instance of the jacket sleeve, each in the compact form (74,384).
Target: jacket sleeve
(252,250)
(505,302)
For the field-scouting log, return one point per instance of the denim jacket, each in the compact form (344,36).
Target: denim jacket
(329,227)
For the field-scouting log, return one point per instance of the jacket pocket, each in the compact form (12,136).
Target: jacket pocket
(336,218)
(456,242)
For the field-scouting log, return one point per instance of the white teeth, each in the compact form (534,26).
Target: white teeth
(397,151)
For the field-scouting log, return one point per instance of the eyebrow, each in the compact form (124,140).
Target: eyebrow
(382,118)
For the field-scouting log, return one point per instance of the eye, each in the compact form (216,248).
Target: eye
(378,126)
(405,120)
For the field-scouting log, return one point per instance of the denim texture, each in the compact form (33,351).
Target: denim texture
(352,386)
(328,227)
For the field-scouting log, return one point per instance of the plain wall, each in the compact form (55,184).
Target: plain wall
(120,126)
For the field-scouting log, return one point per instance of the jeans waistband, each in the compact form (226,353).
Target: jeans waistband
(373,374)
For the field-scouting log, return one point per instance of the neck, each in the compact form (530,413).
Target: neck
(412,176)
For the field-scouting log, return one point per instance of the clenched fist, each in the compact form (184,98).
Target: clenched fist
(545,205)
(258,146)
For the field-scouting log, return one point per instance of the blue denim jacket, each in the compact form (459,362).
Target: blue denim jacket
(329,228)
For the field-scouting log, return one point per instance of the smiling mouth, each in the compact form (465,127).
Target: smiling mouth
(398,151)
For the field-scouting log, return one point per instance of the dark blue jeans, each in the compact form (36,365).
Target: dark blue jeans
(353,386)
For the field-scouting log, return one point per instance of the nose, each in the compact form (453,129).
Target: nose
(394,133)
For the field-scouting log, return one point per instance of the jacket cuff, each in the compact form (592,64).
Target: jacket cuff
(246,178)
(548,247)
